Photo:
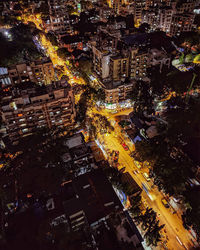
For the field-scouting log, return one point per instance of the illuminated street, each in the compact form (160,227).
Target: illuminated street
(178,237)
(99,125)
(173,224)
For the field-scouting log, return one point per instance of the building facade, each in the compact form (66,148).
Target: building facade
(181,23)
(41,72)
(26,109)
(59,18)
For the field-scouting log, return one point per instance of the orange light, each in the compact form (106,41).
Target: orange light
(19,115)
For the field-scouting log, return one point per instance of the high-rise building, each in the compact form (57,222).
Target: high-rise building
(101,61)
(41,72)
(115,5)
(181,23)
(172,18)
(139,6)
(59,18)
(28,107)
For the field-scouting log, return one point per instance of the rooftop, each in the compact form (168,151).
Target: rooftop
(91,193)
(74,141)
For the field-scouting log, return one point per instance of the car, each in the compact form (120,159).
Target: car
(146,176)
(125,146)
(137,164)
(165,203)
(146,164)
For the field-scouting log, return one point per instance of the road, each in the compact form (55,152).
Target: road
(173,223)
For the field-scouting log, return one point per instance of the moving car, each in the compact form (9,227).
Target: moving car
(125,146)
(135,171)
(146,176)
(165,203)
(137,164)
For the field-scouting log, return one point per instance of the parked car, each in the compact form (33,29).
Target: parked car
(137,164)
(146,176)
(146,164)
(125,146)
(165,203)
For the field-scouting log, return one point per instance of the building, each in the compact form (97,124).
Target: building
(41,72)
(117,92)
(4,77)
(181,23)
(79,158)
(165,18)
(89,199)
(27,107)
(139,6)
(119,67)
(115,5)
(185,6)
(118,62)
(171,17)
(138,63)
(101,60)
(59,17)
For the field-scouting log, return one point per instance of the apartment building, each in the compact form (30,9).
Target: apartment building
(181,23)
(28,107)
(89,200)
(4,77)
(115,5)
(41,72)
(170,18)
(101,61)
(159,17)
(151,17)
(118,92)
(185,7)
(119,67)
(165,18)
(139,6)
(138,63)
(59,18)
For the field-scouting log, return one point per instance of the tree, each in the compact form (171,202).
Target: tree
(191,218)
(151,150)
(153,236)
(85,66)
(148,219)
(99,95)
(144,27)
(63,53)
(142,98)
(135,209)
(151,225)
(52,38)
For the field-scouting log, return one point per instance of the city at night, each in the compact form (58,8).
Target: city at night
(99,124)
